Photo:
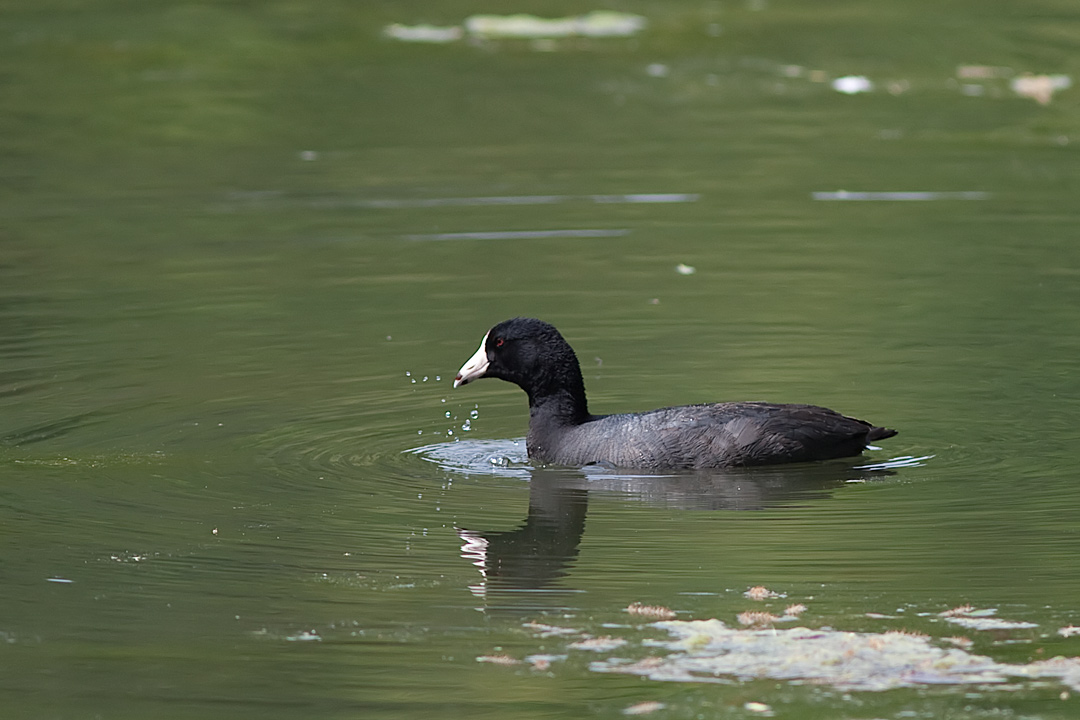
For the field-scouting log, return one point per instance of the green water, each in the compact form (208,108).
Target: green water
(244,248)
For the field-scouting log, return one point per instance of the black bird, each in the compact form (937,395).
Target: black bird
(534,356)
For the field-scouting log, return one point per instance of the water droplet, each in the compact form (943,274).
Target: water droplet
(474,414)
(438,378)
(449,432)
(466,426)
(447,413)
(408,374)
(425,378)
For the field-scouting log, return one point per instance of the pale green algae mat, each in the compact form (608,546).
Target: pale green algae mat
(709,650)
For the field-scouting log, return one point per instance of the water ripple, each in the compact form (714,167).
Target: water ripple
(501,458)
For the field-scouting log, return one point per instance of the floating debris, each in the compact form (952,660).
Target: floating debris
(961,610)
(1040,88)
(540,663)
(1069,631)
(424,33)
(760,592)
(501,200)
(549,630)
(968,611)
(852,84)
(795,610)
(521,235)
(598,644)
(644,708)
(656,612)
(758,618)
(907,633)
(903,196)
(501,659)
(988,623)
(959,641)
(710,651)
(982,72)
(596,24)
(645,198)
(304,636)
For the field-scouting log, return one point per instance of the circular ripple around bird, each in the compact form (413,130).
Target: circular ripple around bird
(500,458)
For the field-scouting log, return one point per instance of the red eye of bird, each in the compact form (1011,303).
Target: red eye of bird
(499,342)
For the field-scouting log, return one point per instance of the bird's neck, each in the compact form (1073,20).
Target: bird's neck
(563,407)
(561,399)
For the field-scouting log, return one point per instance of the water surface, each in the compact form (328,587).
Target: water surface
(245,249)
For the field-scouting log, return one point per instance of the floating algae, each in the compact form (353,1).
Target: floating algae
(710,651)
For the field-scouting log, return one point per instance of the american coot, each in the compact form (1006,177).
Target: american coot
(535,357)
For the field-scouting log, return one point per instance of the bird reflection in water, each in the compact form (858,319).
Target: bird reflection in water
(535,556)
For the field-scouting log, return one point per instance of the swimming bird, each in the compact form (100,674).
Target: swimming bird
(534,356)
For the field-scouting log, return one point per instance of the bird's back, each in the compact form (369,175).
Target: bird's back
(706,436)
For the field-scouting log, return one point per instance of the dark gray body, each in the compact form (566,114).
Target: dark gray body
(703,436)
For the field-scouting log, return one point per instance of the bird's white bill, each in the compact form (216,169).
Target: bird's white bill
(474,367)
